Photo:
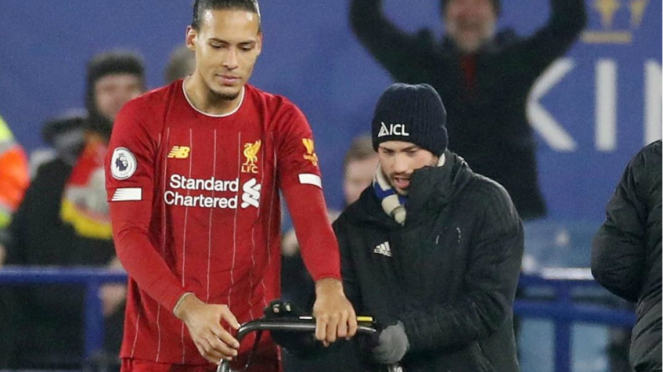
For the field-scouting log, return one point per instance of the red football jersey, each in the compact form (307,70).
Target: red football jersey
(195,208)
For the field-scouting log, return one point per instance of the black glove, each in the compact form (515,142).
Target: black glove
(392,344)
(294,342)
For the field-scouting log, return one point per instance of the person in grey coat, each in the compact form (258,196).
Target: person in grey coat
(626,252)
(431,249)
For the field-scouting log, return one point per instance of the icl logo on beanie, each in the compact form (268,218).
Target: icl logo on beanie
(393,130)
(411,113)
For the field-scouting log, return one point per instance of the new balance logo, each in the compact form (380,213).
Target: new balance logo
(179,152)
(392,130)
(383,249)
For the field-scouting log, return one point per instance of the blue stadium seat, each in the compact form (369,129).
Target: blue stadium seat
(560,244)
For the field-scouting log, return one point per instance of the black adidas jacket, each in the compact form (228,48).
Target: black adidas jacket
(449,274)
(626,252)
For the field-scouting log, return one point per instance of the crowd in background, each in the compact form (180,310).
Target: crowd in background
(53,210)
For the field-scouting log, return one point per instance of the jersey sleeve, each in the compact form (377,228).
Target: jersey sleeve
(130,175)
(301,184)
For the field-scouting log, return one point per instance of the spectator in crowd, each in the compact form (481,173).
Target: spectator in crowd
(14,179)
(64,221)
(181,64)
(193,174)
(358,168)
(65,137)
(626,252)
(431,249)
(483,77)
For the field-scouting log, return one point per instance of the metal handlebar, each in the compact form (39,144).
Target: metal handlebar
(365,325)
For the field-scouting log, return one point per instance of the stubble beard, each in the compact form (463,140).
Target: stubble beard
(223,97)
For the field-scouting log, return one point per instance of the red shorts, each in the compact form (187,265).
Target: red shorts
(137,365)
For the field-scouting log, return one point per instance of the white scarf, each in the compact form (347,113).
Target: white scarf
(392,203)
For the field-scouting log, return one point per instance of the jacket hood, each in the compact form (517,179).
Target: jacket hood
(430,189)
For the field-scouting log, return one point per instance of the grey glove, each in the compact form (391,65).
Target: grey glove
(392,344)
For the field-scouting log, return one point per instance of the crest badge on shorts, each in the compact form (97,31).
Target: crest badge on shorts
(123,163)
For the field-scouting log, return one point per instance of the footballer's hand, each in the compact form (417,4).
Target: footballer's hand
(334,316)
(203,320)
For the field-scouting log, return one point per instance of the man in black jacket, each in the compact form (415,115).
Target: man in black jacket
(626,252)
(431,249)
(483,77)
(63,222)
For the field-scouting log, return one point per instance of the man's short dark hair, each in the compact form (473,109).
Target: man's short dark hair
(360,149)
(103,64)
(200,6)
(114,62)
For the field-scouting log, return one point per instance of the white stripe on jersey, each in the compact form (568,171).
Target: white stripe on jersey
(239,174)
(275,199)
(209,227)
(128,194)
(133,347)
(253,237)
(163,238)
(186,220)
(310,179)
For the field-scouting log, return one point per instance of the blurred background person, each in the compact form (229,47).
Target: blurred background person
(64,221)
(181,64)
(626,252)
(64,135)
(14,179)
(358,167)
(483,77)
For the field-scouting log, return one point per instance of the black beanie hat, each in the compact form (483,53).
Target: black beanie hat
(411,113)
(496,6)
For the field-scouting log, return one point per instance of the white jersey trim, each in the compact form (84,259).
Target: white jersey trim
(184,236)
(128,194)
(310,179)
(241,100)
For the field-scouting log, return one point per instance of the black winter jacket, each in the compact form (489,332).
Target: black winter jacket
(487,120)
(626,252)
(449,274)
